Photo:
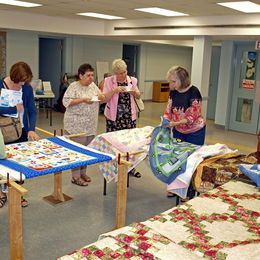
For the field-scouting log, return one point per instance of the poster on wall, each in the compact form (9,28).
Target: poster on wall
(249,77)
(102,68)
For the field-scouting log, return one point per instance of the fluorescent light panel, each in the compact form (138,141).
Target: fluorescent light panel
(242,6)
(19,3)
(101,16)
(160,11)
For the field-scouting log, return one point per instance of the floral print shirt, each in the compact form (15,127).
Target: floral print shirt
(185,105)
(81,118)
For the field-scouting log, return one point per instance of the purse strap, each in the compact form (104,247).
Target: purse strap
(5,85)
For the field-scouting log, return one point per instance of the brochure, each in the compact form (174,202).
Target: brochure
(10,98)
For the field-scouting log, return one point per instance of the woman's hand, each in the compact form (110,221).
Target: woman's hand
(176,123)
(102,97)
(118,90)
(19,108)
(32,136)
(87,101)
(136,94)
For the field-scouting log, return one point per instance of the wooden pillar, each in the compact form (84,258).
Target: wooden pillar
(15,220)
(57,196)
(121,195)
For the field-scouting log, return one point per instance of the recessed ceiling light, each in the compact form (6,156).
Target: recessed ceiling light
(160,11)
(242,6)
(19,3)
(102,16)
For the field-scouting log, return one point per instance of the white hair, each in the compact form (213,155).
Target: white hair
(118,65)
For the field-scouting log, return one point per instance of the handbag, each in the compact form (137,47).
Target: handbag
(11,128)
(139,104)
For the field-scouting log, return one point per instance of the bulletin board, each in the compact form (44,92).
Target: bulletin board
(102,68)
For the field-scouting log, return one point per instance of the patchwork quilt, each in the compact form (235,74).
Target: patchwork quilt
(220,169)
(128,140)
(167,156)
(48,156)
(220,224)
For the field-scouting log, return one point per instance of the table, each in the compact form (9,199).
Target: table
(48,97)
(30,170)
(47,156)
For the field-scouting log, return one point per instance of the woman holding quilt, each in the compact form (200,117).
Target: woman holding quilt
(184,108)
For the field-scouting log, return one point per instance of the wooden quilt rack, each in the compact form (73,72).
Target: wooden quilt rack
(16,192)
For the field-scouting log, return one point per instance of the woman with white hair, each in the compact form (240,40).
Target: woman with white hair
(120,91)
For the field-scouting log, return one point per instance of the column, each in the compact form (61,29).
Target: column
(201,60)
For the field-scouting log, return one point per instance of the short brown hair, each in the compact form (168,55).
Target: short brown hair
(84,68)
(181,73)
(21,72)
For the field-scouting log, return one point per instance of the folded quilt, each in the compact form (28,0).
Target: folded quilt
(252,171)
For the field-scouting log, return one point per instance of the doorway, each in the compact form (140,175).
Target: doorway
(245,113)
(51,62)
(130,56)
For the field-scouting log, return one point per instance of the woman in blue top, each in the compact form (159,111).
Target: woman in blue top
(19,79)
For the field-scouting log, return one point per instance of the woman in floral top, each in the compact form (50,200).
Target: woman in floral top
(184,108)
(81,114)
(120,91)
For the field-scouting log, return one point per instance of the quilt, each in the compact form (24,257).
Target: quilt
(168,156)
(217,170)
(128,140)
(50,155)
(220,224)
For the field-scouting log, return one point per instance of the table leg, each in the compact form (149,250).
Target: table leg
(50,112)
(15,221)
(57,196)
(46,105)
(121,195)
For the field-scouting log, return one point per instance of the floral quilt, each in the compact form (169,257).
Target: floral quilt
(220,224)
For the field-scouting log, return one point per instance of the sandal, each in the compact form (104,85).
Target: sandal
(3,201)
(79,181)
(85,177)
(24,203)
(135,173)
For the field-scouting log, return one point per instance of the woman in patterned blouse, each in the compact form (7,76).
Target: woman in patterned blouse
(184,108)
(81,116)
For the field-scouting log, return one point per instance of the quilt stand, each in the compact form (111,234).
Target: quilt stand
(122,188)
(57,196)
(15,219)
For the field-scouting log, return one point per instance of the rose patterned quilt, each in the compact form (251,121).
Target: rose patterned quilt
(220,224)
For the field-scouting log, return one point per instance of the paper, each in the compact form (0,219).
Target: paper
(10,98)
(95,99)
(47,86)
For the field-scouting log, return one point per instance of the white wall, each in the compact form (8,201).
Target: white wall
(22,46)
(155,61)
(102,50)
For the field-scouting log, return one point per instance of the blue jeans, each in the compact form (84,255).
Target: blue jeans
(194,138)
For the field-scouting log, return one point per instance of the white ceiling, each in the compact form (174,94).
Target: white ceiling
(125,8)
(205,18)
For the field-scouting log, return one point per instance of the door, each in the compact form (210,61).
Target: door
(244,108)
(130,56)
(50,62)
(213,82)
